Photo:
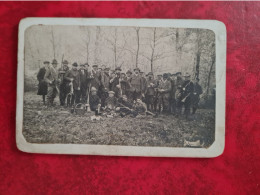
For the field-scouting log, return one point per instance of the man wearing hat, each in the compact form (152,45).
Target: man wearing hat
(84,78)
(95,79)
(105,86)
(179,79)
(94,101)
(118,70)
(51,77)
(124,84)
(64,89)
(136,85)
(187,88)
(43,86)
(73,78)
(156,96)
(150,92)
(111,102)
(196,95)
(54,63)
(115,83)
(164,90)
(144,85)
(172,102)
(128,89)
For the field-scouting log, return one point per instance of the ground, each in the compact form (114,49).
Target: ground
(58,125)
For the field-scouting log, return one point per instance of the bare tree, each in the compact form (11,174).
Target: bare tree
(98,31)
(154,41)
(115,47)
(213,60)
(86,43)
(137,29)
(53,43)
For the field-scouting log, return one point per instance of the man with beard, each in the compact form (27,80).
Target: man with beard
(51,77)
(105,78)
(144,85)
(43,86)
(96,79)
(179,79)
(124,84)
(164,89)
(150,92)
(172,94)
(72,76)
(115,83)
(187,88)
(196,95)
(64,90)
(84,77)
(156,96)
(136,85)
(128,89)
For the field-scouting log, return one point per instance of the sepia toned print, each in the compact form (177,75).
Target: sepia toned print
(120,86)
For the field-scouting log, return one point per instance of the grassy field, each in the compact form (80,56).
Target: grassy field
(58,125)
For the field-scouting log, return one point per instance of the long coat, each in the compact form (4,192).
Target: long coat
(96,80)
(84,78)
(42,86)
(73,74)
(136,83)
(151,84)
(105,78)
(51,75)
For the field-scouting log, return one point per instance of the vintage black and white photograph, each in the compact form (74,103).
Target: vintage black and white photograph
(118,84)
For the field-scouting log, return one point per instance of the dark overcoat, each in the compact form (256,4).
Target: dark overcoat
(42,86)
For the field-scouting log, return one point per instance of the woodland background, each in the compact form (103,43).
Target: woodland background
(158,50)
(236,171)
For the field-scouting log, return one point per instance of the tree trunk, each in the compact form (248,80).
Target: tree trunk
(152,56)
(53,44)
(209,75)
(138,45)
(97,43)
(197,68)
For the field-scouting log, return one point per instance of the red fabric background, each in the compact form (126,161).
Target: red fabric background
(235,172)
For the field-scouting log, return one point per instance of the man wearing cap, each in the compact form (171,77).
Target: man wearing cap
(124,106)
(64,89)
(144,85)
(187,88)
(73,78)
(51,77)
(111,101)
(43,86)
(105,86)
(128,89)
(179,79)
(136,85)
(196,95)
(115,83)
(164,89)
(94,101)
(156,96)
(84,77)
(95,79)
(172,102)
(150,92)
(124,84)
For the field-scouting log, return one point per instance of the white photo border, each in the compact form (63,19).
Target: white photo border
(214,150)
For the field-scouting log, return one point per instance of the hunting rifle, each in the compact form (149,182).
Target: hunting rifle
(146,111)
(184,99)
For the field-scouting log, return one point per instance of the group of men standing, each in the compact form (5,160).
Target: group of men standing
(167,93)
